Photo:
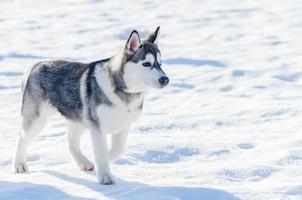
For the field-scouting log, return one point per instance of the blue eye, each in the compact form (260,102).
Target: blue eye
(147,64)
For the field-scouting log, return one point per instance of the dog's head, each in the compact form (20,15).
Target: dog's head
(142,66)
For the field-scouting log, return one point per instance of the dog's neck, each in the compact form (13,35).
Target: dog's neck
(116,71)
(116,62)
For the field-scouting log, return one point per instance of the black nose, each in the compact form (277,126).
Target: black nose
(163,81)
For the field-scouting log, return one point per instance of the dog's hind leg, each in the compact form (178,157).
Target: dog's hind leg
(34,119)
(74,133)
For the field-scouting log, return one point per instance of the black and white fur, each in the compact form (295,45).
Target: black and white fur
(105,97)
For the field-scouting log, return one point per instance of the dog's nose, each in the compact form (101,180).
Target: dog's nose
(163,81)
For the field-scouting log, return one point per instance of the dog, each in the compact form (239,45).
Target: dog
(104,96)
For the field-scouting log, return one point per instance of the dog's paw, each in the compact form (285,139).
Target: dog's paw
(106,179)
(86,166)
(20,168)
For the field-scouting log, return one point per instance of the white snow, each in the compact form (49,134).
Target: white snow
(227,127)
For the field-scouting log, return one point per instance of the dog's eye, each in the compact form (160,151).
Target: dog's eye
(147,64)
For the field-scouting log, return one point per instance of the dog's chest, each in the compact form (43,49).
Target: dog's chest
(114,119)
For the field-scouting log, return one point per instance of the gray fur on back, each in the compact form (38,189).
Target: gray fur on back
(58,83)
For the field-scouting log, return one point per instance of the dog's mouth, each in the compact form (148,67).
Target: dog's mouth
(156,84)
(163,86)
(160,86)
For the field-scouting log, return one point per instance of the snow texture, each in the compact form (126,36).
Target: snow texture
(227,127)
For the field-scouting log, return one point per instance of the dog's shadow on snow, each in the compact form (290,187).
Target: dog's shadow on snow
(134,190)
(25,191)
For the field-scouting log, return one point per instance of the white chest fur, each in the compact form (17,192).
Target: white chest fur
(114,119)
(120,115)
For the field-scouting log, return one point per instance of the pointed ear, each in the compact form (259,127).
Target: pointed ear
(154,36)
(133,42)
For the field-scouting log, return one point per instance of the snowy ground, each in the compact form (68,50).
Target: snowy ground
(227,127)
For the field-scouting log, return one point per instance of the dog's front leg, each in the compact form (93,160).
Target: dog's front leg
(100,150)
(118,144)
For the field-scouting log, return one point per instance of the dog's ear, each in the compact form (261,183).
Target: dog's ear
(154,36)
(133,42)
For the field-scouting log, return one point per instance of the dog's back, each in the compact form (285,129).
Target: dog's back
(57,83)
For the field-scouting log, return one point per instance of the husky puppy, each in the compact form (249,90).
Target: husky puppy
(104,96)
